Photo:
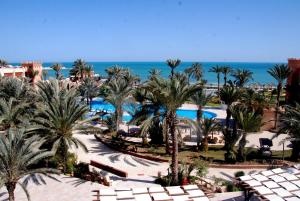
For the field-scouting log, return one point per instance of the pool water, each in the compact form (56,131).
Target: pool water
(100,105)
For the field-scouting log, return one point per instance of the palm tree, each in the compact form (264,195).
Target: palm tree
(194,71)
(45,74)
(78,69)
(246,122)
(12,114)
(89,89)
(229,94)
(203,129)
(57,68)
(200,98)
(242,76)
(172,93)
(116,72)
(225,70)
(17,89)
(154,73)
(18,160)
(173,63)
(89,70)
(3,63)
(280,72)
(59,116)
(253,101)
(218,70)
(290,125)
(116,92)
(150,116)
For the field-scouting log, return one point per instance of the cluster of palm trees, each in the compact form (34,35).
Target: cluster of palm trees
(36,124)
(81,69)
(46,117)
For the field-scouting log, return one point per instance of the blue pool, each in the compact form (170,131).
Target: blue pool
(100,105)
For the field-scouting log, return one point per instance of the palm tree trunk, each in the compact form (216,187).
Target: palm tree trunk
(91,99)
(199,113)
(228,115)
(166,134)
(279,86)
(174,166)
(65,157)
(11,186)
(225,79)
(218,78)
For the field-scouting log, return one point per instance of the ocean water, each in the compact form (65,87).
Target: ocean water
(141,69)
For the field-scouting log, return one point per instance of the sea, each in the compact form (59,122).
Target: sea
(260,75)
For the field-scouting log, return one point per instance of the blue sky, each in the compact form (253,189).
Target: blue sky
(149,30)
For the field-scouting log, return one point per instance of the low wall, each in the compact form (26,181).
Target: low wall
(107,168)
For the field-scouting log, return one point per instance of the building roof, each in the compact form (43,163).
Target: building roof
(279,184)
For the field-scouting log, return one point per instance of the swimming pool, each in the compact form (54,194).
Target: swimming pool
(100,105)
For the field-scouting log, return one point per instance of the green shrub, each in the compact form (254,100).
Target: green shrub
(239,173)
(230,187)
(81,169)
(202,168)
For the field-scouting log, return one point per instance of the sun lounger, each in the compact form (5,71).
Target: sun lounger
(156,189)
(107,192)
(175,190)
(108,198)
(143,197)
(160,197)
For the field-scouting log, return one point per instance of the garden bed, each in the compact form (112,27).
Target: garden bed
(215,154)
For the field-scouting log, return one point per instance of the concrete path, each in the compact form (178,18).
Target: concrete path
(132,165)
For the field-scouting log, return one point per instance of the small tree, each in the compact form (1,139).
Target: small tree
(18,160)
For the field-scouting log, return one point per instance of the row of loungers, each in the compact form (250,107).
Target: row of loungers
(172,193)
(280,184)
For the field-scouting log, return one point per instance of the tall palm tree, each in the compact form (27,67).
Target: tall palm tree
(200,98)
(246,122)
(150,116)
(225,70)
(242,76)
(172,93)
(229,94)
(280,72)
(254,101)
(3,63)
(195,71)
(116,71)
(19,156)
(89,89)
(116,93)
(59,115)
(78,68)
(173,63)
(57,68)
(290,125)
(218,70)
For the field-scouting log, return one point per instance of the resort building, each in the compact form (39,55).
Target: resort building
(293,81)
(32,70)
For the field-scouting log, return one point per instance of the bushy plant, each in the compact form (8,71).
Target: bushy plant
(239,173)
(230,187)
(201,168)
(81,169)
